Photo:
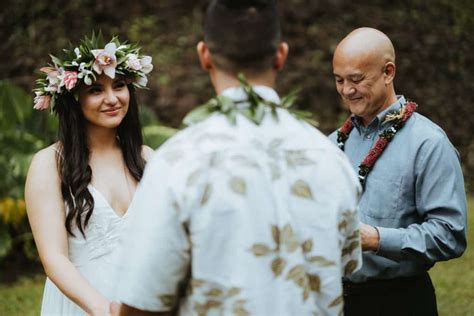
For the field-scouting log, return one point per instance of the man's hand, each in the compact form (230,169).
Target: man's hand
(370,238)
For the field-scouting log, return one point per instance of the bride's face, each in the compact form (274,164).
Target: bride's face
(105,102)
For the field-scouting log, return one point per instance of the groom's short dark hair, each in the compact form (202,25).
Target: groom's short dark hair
(242,35)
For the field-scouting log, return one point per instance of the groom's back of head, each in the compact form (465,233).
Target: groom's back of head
(242,35)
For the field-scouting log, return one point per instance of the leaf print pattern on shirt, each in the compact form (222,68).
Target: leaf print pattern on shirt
(168,300)
(302,189)
(297,158)
(287,243)
(218,297)
(238,185)
(206,194)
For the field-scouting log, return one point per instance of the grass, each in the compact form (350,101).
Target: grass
(22,297)
(453,280)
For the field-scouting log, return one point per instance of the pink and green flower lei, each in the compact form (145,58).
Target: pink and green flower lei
(84,63)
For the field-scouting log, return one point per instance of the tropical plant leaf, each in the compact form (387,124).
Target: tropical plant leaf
(276,234)
(196,283)
(233,291)
(206,194)
(314,282)
(321,261)
(301,189)
(212,304)
(342,225)
(296,273)
(337,301)
(307,245)
(350,267)
(296,158)
(214,292)
(193,177)
(278,265)
(261,250)
(238,185)
(349,249)
(168,300)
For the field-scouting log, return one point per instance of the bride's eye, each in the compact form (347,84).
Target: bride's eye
(120,84)
(94,90)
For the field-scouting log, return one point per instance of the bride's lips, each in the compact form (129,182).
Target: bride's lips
(112,111)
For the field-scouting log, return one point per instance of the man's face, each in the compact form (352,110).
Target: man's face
(361,85)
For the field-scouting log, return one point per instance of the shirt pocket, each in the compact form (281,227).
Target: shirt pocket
(381,198)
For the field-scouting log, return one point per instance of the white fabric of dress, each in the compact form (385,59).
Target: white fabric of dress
(93,256)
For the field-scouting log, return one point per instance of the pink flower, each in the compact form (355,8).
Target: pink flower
(70,79)
(105,60)
(41,102)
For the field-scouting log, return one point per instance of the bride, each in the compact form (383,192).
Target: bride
(78,189)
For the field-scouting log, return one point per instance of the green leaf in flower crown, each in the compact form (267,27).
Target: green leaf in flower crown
(56,60)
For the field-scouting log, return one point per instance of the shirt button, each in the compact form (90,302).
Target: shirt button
(368,136)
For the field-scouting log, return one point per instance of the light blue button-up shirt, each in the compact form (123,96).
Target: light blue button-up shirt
(414,196)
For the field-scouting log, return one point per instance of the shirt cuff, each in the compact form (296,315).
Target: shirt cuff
(391,241)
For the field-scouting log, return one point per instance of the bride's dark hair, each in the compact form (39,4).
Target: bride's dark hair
(73,156)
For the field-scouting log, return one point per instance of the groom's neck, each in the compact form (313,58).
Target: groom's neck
(222,80)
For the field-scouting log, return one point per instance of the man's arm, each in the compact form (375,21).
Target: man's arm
(440,203)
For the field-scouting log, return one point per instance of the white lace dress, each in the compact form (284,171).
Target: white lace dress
(93,256)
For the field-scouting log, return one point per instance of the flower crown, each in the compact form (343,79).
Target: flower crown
(85,63)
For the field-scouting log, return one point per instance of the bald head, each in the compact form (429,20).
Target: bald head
(369,43)
(364,69)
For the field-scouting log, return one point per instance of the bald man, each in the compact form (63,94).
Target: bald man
(413,207)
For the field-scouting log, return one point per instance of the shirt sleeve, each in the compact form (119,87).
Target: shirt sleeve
(155,250)
(440,203)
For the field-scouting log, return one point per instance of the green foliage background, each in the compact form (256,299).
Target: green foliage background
(433,41)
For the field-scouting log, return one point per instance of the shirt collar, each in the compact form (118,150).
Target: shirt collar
(238,93)
(378,120)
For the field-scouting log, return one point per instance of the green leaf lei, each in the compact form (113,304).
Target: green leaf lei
(253,108)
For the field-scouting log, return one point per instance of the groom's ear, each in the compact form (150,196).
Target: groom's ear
(280,56)
(204,55)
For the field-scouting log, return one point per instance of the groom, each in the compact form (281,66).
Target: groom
(249,210)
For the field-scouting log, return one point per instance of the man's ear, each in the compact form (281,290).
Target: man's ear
(204,55)
(389,72)
(280,56)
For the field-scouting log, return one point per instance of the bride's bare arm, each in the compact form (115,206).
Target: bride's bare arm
(45,208)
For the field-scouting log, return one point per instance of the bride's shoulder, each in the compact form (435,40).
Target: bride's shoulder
(43,167)
(46,158)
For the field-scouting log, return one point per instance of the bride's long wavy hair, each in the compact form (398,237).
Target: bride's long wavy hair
(73,156)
